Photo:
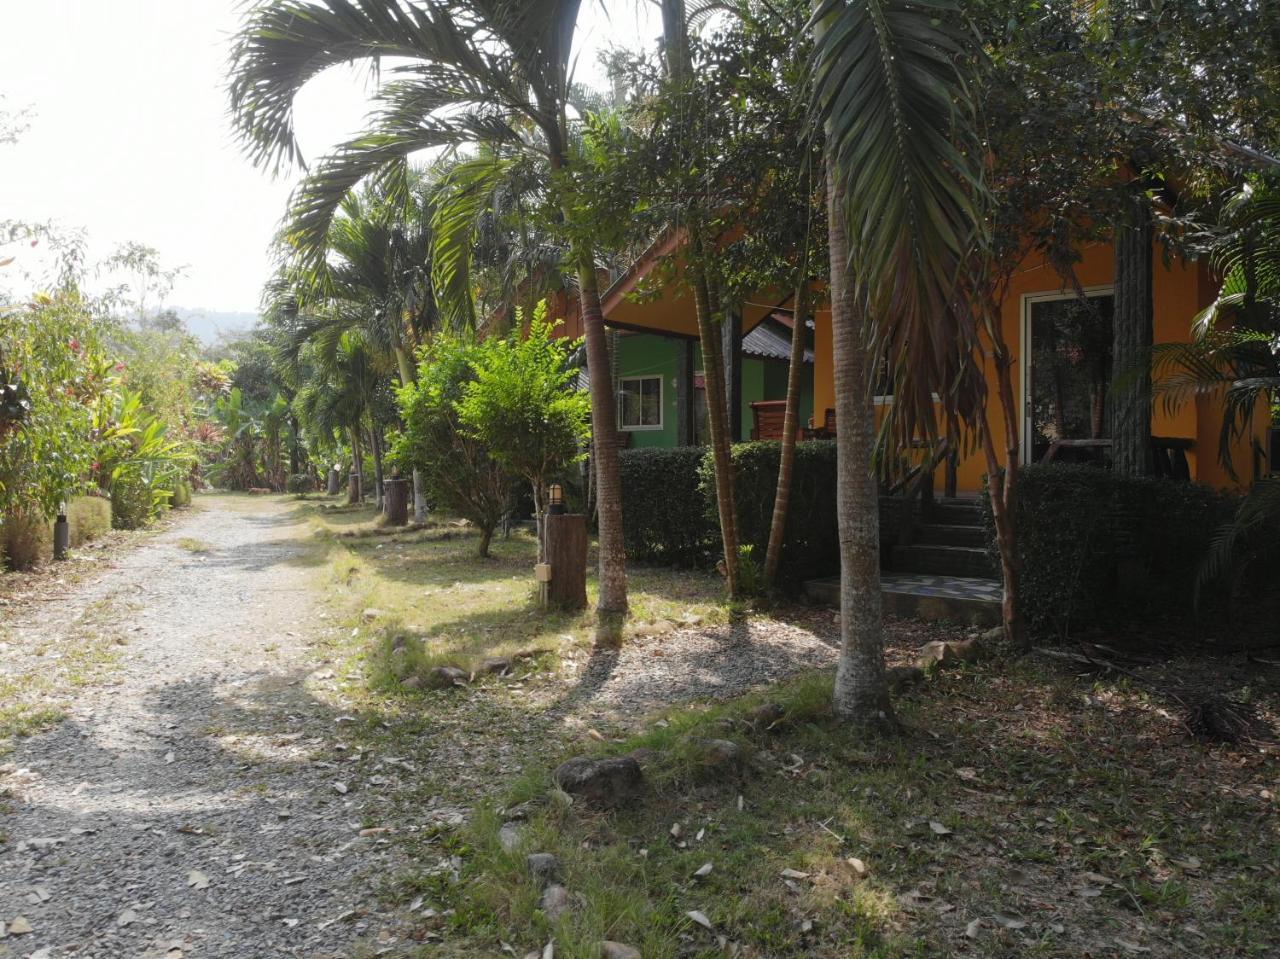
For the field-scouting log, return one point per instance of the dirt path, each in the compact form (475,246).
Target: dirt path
(194,803)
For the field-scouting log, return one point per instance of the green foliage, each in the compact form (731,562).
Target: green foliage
(300,483)
(51,352)
(523,404)
(811,546)
(666,510)
(137,461)
(456,468)
(1068,518)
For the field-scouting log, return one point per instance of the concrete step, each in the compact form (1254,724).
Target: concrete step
(943,560)
(973,601)
(947,534)
(955,512)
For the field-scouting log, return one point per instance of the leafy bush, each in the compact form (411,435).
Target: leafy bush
(181,496)
(300,483)
(132,503)
(1071,524)
(665,516)
(88,518)
(25,540)
(811,546)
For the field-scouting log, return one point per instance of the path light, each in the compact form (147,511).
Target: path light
(61,533)
(555,505)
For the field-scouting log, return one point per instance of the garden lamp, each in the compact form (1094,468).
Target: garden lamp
(61,533)
(555,505)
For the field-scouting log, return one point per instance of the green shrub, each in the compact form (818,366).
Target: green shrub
(665,516)
(811,546)
(26,540)
(300,483)
(181,494)
(1070,521)
(132,503)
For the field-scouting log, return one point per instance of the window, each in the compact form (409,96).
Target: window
(640,403)
(884,382)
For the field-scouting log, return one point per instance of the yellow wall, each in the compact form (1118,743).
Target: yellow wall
(1180,291)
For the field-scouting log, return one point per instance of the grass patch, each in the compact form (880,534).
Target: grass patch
(994,825)
(193,545)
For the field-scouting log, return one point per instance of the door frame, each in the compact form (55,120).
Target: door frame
(1028,300)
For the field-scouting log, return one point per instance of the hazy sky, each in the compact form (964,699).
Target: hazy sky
(129,138)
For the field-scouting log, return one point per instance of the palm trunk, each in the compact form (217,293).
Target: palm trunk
(861,691)
(355,493)
(612,604)
(709,334)
(407,376)
(790,421)
(376,442)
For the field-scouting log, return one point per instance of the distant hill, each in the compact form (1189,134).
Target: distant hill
(211,326)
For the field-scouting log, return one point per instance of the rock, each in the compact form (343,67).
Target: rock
(495,666)
(543,867)
(618,950)
(411,682)
(370,614)
(994,635)
(554,901)
(903,677)
(400,644)
(943,653)
(643,755)
(613,781)
(509,837)
(446,677)
(718,752)
(20,926)
(765,715)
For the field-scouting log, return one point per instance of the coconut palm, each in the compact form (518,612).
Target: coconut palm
(905,194)
(470,72)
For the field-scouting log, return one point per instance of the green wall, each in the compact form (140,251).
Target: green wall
(643,354)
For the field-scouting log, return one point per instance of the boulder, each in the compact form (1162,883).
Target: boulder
(495,666)
(554,901)
(612,781)
(411,682)
(446,677)
(901,678)
(543,867)
(993,635)
(509,837)
(944,652)
(765,715)
(370,614)
(718,755)
(618,950)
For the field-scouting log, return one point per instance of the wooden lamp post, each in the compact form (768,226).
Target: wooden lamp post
(565,569)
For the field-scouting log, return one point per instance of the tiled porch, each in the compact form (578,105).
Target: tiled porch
(965,599)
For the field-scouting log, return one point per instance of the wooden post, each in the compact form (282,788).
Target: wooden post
(396,500)
(567,556)
(353,488)
(335,481)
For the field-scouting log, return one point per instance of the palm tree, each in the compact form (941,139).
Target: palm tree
(905,193)
(475,71)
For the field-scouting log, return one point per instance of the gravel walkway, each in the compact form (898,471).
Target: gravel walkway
(190,808)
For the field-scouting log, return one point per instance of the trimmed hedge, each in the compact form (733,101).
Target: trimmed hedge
(811,547)
(664,511)
(1070,521)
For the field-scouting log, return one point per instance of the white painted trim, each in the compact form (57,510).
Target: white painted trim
(662,410)
(1024,351)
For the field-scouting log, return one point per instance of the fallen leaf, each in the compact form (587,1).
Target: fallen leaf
(700,919)
(793,874)
(197,880)
(1011,922)
(703,870)
(967,773)
(971,930)
(1131,946)
(938,828)
(858,866)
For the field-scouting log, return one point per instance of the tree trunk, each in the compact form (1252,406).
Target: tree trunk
(354,492)
(790,422)
(407,376)
(486,537)
(376,443)
(612,604)
(1131,347)
(861,691)
(717,413)
(1002,483)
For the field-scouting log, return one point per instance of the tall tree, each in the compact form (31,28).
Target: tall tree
(476,71)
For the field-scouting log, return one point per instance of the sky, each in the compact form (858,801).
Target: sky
(128,136)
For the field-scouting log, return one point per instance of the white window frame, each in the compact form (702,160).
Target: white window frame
(662,409)
(1024,357)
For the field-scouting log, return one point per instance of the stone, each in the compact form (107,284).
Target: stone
(543,867)
(943,653)
(618,950)
(400,644)
(370,614)
(411,682)
(901,678)
(994,635)
(509,837)
(446,677)
(613,781)
(495,666)
(554,901)
(718,754)
(644,755)
(765,715)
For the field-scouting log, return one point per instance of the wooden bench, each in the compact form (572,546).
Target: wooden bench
(770,418)
(825,432)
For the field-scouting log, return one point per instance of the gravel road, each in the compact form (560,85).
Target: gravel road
(193,805)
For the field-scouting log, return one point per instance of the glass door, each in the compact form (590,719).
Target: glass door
(1068,374)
